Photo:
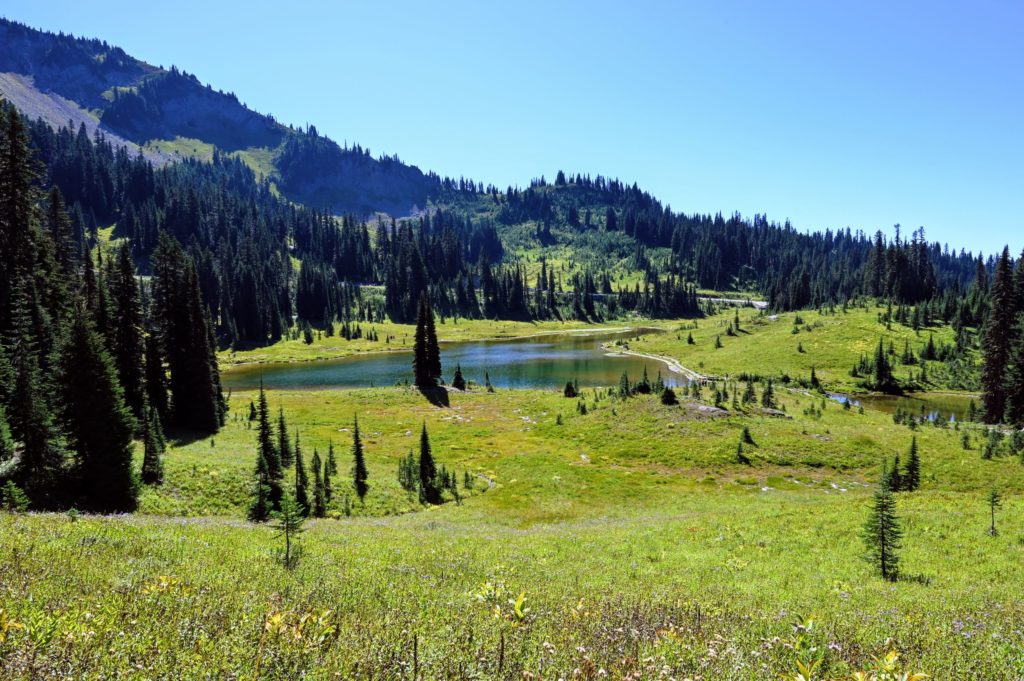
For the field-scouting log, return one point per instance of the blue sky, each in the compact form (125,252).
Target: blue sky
(830,114)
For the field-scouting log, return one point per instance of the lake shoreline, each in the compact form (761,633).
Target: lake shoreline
(672,364)
(489,339)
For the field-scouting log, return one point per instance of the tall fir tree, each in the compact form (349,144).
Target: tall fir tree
(319,492)
(359,472)
(18,195)
(98,423)
(128,346)
(284,444)
(153,448)
(882,370)
(268,452)
(40,471)
(1013,384)
(156,377)
(196,402)
(430,490)
(301,478)
(260,508)
(882,534)
(332,462)
(997,337)
(426,352)
(911,478)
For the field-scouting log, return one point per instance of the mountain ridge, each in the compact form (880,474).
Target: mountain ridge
(169,114)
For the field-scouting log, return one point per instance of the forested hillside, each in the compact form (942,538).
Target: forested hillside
(135,272)
(172,116)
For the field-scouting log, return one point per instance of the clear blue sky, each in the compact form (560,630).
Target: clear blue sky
(832,114)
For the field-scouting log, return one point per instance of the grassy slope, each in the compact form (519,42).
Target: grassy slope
(616,525)
(767,346)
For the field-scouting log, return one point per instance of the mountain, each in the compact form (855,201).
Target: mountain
(586,246)
(168,114)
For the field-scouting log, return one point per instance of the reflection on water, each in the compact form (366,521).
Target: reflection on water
(931,406)
(546,361)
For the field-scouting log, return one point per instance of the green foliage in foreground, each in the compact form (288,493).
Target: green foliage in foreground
(709,586)
(627,539)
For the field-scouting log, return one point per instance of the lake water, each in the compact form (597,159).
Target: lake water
(545,361)
(932,406)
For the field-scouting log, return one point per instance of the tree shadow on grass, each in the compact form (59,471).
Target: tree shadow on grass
(924,580)
(179,437)
(437,396)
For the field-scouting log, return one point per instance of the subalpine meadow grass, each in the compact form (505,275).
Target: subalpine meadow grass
(768,346)
(626,542)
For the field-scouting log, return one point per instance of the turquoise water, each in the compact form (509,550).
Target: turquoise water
(546,361)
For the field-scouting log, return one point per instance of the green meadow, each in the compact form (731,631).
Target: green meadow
(792,343)
(627,542)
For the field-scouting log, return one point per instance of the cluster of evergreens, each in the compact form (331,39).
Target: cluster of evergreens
(276,452)
(420,475)
(90,358)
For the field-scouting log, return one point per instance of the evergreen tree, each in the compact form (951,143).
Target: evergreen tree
(882,534)
(328,485)
(40,471)
(98,424)
(911,478)
(319,493)
(267,451)
(66,249)
(668,396)
(284,445)
(430,491)
(156,377)
(153,449)
(997,339)
(893,478)
(6,443)
(359,472)
(768,396)
(426,353)
(289,526)
(260,508)
(883,378)
(183,321)
(1013,384)
(128,348)
(332,463)
(994,502)
(458,382)
(301,479)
